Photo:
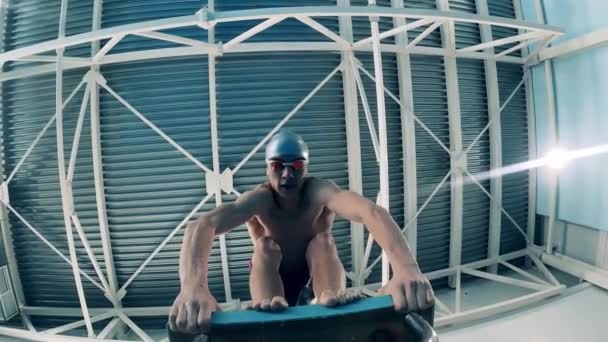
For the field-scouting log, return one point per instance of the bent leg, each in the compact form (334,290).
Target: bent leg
(328,276)
(265,282)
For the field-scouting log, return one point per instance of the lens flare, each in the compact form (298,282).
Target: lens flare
(558,158)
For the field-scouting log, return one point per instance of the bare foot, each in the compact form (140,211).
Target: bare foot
(331,298)
(277,304)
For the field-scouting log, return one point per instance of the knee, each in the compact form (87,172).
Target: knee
(321,241)
(266,249)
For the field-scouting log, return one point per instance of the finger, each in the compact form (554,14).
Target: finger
(181,318)
(382,290)
(410,295)
(173,317)
(430,296)
(421,293)
(399,299)
(204,320)
(192,317)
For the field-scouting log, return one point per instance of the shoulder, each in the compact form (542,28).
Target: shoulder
(260,197)
(321,189)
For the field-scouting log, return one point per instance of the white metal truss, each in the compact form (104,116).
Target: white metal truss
(491,76)
(218,182)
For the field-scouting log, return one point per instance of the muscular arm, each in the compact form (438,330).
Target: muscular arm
(199,235)
(378,221)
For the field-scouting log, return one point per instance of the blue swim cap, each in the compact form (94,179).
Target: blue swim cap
(287,146)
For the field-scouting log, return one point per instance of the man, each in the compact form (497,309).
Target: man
(289,219)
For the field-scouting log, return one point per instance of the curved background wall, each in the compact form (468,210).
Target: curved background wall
(150,186)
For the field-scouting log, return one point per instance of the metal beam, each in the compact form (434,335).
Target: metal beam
(503,279)
(91,254)
(110,329)
(532,154)
(375,11)
(66,187)
(27,323)
(271,14)
(524,273)
(324,30)
(155,128)
(448,34)
(31,336)
(382,130)
(53,248)
(123,290)
(402,27)
(493,97)
(216,157)
(583,270)
(503,41)
(155,54)
(576,45)
(424,34)
(494,309)
(78,324)
(100,196)
(136,329)
(77,133)
(408,132)
(177,39)
(353,142)
(252,32)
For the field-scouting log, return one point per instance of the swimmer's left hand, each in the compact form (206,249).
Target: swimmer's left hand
(410,289)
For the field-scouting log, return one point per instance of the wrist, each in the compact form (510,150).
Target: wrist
(194,285)
(406,267)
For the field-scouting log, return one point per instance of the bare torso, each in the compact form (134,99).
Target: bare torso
(293,229)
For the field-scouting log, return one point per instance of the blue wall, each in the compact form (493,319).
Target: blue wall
(581,99)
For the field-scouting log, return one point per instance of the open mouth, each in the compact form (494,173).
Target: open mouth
(288,186)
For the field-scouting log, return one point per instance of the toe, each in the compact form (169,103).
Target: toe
(278,304)
(265,305)
(328,298)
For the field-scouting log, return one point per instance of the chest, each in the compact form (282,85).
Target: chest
(295,229)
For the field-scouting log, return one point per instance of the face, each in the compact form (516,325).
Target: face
(286,175)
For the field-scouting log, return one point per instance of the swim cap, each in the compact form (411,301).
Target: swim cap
(286,145)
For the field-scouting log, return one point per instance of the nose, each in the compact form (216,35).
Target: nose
(287,172)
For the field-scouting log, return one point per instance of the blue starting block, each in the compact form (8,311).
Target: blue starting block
(369,319)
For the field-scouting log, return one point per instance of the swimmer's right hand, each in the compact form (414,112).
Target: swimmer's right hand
(192,309)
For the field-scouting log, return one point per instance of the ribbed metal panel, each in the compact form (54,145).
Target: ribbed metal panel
(466,34)
(285,31)
(503,8)
(35,194)
(28,104)
(150,186)
(432,162)
(120,12)
(514,126)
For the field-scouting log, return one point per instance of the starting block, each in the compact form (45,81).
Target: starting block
(370,319)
